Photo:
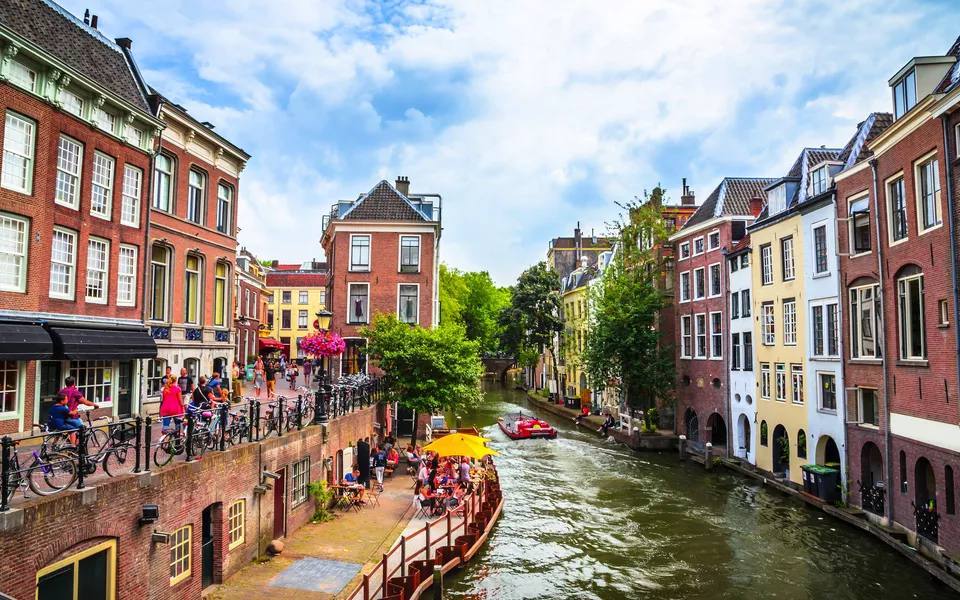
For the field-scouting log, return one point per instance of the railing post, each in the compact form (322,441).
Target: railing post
(316,406)
(426,533)
(281,415)
(81,454)
(255,420)
(449,529)
(7,444)
(224,416)
(189,435)
(403,556)
(136,463)
(300,412)
(366,587)
(147,441)
(383,577)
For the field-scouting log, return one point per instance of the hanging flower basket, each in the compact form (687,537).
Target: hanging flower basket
(323,344)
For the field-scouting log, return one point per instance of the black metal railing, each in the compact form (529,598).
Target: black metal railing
(872,499)
(928,522)
(52,462)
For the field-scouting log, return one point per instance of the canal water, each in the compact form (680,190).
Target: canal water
(585,518)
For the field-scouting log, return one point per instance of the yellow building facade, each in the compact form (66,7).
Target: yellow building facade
(780,333)
(294,298)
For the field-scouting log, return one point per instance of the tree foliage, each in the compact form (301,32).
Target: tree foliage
(532,318)
(429,370)
(624,347)
(472,301)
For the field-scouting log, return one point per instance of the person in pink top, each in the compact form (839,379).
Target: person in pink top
(171,403)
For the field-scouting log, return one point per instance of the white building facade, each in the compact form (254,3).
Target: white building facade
(743,378)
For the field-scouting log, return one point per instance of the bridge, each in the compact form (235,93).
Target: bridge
(499,365)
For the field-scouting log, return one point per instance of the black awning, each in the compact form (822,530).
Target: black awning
(24,342)
(102,344)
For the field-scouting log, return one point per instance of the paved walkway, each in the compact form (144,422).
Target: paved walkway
(322,553)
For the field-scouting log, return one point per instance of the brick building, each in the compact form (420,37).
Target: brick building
(250,305)
(701,309)
(192,246)
(77,137)
(296,293)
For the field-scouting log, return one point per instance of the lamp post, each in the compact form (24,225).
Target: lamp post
(323,324)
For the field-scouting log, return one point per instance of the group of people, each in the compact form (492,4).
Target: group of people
(182,394)
(65,412)
(442,483)
(265,372)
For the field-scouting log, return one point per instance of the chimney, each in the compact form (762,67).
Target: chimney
(93,21)
(86,17)
(124,43)
(275,263)
(577,244)
(687,199)
(403,186)
(756,205)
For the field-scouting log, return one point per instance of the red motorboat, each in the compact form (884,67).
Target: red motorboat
(521,427)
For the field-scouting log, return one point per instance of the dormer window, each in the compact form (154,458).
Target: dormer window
(22,75)
(904,94)
(106,121)
(777,199)
(71,102)
(819,181)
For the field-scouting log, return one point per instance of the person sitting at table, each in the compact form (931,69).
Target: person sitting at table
(393,458)
(428,498)
(352,481)
(413,460)
(424,475)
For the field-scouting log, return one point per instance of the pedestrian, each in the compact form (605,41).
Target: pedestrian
(171,403)
(75,397)
(465,471)
(258,376)
(283,363)
(379,464)
(270,373)
(294,372)
(307,368)
(216,387)
(185,382)
(236,384)
(424,475)
(201,394)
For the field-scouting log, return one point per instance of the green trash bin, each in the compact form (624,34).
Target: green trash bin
(826,482)
(808,479)
(249,373)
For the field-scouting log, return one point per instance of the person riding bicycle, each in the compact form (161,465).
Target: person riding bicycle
(61,418)
(75,399)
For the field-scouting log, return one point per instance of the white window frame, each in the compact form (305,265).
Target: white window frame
(685,247)
(127,279)
(876,413)
(361,269)
(904,316)
(719,276)
(19,249)
(224,208)
(824,328)
(18,374)
(303,297)
(399,314)
(790,322)
(710,246)
(199,190)
(299,481)
(94,270)
(701,271)
(686,336)
(855,320)
(349,294)
(918,165)
(71,102)
(66,176)
(821,392)
(400,253)
(134,135)
(781,377)
(170,176)
(796,376)
(72,265)
(22,75)
(765,381)
(823,182)
(106,121)
(30,129)
(715,335)
(787,258)
(888,199)
(822,225)
(698,334)
(768,323)
(303,319)
(766,264)
(132,192)
(701,244)
(777,200)
(685,297)
(106,184)
(852,225)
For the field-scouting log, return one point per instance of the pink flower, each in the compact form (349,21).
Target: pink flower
(323,343)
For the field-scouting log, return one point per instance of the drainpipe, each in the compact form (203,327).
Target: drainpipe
(883,327)
(148,205)
(725,278)
(842,384)
(953,240)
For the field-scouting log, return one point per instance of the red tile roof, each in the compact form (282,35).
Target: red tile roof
(275,280)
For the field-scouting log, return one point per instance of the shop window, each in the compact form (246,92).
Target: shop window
(94,379)
(237,523)
(10,393)
(181,554)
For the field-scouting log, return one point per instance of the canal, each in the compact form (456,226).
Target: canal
(585,518)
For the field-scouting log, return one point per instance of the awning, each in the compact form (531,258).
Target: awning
(860,206)
(102,344)
(24,342)
(269,344)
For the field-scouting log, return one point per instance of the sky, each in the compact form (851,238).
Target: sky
(526,116)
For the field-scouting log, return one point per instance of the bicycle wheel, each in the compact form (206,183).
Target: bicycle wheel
(55,474)
(238,433)
(307,415)
(120,460)
(164,451)
(96,440)
(201,441)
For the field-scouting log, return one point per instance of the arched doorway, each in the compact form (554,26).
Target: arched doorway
(827,452)
(743,437)
(692,425)
(872,489)
(718,430)
(583,381)
(220,366)
(781,449)
(925,504)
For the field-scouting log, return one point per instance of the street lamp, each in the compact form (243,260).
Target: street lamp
(323,324)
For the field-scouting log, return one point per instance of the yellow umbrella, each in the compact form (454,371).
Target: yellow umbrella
(458,444)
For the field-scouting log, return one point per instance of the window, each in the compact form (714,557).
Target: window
(72,103)
(133,135)
(896,210)
(735,352)
(357,304)
(162,188)
(235,523)
(98,255)
(796,380)
(13,253)
(87,575)
(299,479)
(303,298)
(159,261)
(101,199)
(745,303)
(777,200)
(735,305)
(286,297)
(359,252)
(62,262)
(786,254)
(93,379)
(323,297)
(224,211)
(903,472)
(735,264)
(269,318)
(766,264)
(869,406)
(943,312)
(22,75)
(790,322)
(780,370)
(195,196)
(180,554)
(699,284)
(684,250)
(716,332)
(10,393)
(246,302)
(905,94)
(747,351)
(18,146)
(698,246)
(865,322)
(701,324)
(127,276)
(191,290)
(105,120)
(713,240)
(130,207)
(69,163)
(409,254)
(744,260)
(817,324)
(859,213)
(911,308)
(220,295)
(828,391)
(408,308)
(686,347)
(768,323)
(714,280)
(765,380)
(820,249)
(801,444)
(819,181)
(685,286)
(302,319)
(285,319)
(763,433)
(928,195)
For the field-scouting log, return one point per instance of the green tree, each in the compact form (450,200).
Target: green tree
(429,370)
(470,299)
(624,348)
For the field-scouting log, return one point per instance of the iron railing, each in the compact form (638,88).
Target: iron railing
(928,523)
(872,499)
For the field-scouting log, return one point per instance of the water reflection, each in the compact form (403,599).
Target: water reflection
(590,519)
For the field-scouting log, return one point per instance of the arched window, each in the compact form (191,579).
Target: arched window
(911,313)
(196,192)
(948,490)
(220,295)
(763,433)
(224,208)
(802,444)
(159,281)
(191,289)
(903,472)
(192,365)
(163,187)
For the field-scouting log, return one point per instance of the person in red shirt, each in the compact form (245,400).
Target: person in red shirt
(75,399)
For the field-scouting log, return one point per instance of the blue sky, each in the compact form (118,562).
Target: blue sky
(526,116)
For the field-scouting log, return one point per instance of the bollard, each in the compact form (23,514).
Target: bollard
(147,441)
(255,420)
(189,436)
(708,456)
(316,407)
(300,412)
(81,455)
(281,415)
(136,462)
(7,444)
(224,416)
(682,445)
(438,584)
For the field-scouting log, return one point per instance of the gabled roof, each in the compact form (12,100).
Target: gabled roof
(281,279)
(857,150)
(808,159)
(579,278)
(743,244)
(730,198)
(60,34)
(383,203)
(952,79)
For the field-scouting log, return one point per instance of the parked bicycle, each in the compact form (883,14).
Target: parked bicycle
(174,442)
(47,474)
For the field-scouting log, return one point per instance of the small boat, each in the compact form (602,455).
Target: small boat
(518,426)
